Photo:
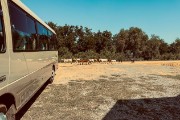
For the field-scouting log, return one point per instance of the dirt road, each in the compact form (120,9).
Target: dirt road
(143,90)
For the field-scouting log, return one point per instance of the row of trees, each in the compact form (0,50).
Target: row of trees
(81,42)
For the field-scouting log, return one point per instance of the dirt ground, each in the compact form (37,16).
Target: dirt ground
(118,91)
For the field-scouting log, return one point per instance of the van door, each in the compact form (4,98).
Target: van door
(4,57)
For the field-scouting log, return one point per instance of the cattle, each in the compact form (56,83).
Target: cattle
(95,60)
(113,61)
(84,62)
(67,60)
(91,60)
(103,60)
(76,60)
(106,61)
(132,60)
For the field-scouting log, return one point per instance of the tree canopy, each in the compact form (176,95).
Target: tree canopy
(78,41)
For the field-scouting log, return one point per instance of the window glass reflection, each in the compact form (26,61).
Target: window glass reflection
(2,40)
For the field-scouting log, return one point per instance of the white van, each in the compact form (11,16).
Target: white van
(28,56)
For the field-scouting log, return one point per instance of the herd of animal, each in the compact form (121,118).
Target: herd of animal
(88,61)
(171,64)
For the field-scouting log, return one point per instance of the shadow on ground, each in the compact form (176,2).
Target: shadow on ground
(143,109)
(20,114)
(109,98)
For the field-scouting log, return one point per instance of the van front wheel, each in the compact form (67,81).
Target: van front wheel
(3,111)
(52,77)
(7,114)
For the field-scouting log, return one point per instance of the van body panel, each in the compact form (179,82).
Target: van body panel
(4,57)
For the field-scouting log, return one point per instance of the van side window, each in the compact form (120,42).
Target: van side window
(23,29)
(2,39)
(43,44)
(32,42)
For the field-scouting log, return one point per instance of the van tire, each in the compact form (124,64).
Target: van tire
(3,111)
(7,114)
(52,77)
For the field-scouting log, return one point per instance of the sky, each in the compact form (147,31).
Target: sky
(159,17)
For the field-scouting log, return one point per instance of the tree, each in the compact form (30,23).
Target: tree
(103,41)
(175,46)
(136,41)
(131,41)
(120,40)
(67,37)
(53,26)
(86,40)
(128,43)
(163,48)
(64,53)
(152,48)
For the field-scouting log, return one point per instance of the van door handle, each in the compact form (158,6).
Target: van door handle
(2,78)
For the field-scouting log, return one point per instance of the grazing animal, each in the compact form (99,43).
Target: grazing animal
(95,60)
(113,61)
(103,61)
(132,60)
(67,60)
(91,60)
(76,60)
(84,62)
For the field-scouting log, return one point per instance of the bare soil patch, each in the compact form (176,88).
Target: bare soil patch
(140,90)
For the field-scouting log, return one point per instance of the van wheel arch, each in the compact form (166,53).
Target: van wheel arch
(7,99)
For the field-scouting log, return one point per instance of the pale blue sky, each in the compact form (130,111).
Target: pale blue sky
(160,17)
